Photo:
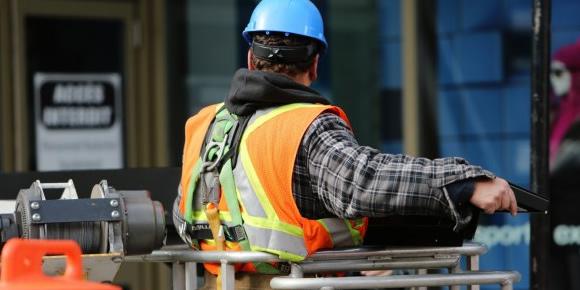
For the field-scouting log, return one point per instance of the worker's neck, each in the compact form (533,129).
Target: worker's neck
(302,79)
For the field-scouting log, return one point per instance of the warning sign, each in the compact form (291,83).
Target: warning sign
(78,121)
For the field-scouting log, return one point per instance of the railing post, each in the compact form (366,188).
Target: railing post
(454,270)
(228,276)
(191,276)
(178,276)
(473,265)
(296,271)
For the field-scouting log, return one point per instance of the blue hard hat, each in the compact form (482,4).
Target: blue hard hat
(298,17)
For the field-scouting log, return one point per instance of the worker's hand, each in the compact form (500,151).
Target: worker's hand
(492,195)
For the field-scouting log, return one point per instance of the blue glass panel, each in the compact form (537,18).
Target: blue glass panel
(517,109)
(519,14)
(391,65)
(482,110)
(565,14)
(390,18)
(481,15)
(392,146)
(508,239)
(486,152)
(446,61)
(479,57)
(447,16)
(470,58)
(451,147)
(450,112)
(563,38)
(517,161)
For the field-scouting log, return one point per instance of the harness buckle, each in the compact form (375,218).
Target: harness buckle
(235,233)
(210,187)
(211,165)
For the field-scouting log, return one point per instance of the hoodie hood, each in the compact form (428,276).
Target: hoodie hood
(254,90)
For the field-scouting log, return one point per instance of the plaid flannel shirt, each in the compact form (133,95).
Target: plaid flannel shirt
(334,176)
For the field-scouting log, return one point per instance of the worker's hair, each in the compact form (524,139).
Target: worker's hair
(278,39)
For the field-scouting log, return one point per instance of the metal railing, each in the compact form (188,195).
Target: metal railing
(185,261)
(504,279)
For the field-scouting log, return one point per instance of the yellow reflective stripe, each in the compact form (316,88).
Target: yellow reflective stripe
(339,231)
(246,194)
(356,238)
(242,206)
(254,181)
(291,248)
(276,240)
(323,225)
(273,225)
(354,233)
(326,229)
(283,255)
(280,110)
(271,222)
(247,163)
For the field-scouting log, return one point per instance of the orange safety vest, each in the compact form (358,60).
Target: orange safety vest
(263,179)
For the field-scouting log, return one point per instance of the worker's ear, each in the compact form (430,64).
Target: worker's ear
(313,69)
(250,64)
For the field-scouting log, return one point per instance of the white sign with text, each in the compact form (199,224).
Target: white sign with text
(78,121)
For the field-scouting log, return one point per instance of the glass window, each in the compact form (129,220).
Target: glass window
(484,108)
(390,75)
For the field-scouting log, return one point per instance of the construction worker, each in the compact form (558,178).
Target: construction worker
(276,168)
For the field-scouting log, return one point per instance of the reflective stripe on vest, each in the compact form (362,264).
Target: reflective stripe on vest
(340,232)
(266,229)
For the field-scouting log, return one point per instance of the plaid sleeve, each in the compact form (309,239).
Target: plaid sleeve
(353,180)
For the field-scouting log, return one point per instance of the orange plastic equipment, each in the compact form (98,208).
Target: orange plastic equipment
(22,267)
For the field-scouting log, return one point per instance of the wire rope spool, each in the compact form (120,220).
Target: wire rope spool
(86,234)
(126,222)
(98,191)
(23,213)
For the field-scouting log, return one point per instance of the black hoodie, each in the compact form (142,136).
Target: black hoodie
(254,90)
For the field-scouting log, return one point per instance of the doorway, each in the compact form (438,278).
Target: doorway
(80,43)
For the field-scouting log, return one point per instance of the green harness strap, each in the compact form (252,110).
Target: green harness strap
(188,215)
(223,124)
(229,187)
(195,174)
(218,134)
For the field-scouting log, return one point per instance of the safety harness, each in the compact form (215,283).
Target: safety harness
(214,172)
